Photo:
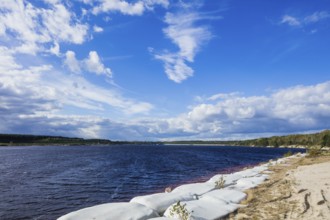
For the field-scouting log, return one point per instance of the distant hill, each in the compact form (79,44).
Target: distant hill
(321,139)
(17,139)
(26,140)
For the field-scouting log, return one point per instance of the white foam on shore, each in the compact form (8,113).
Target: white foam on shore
(202,200)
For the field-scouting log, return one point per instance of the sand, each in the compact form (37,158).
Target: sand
(297,189)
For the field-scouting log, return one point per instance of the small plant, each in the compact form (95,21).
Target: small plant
(314,152)
(180,211)
(288,154)
(219,184)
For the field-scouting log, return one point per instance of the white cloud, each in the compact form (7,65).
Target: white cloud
(175,66)
(149,4)
(121,6)
(69,30)
(97,29)
(317,16)
(183,32)
(35,90)
(31,27)
(223,96)
(71,62)
(87,1)
(307,20)
(128,8)
(290,110)
(43,100)
(52,1)
(91,64)
(189,37)
(7,60)
(290,20)
(37,97)
(55,49)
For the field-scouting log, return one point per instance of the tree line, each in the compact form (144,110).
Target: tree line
(321,139)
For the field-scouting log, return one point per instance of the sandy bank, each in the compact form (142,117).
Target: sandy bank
(297,189)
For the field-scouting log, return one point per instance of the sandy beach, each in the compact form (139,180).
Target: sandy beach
(296,189)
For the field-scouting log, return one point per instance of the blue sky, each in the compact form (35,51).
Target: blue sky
(163,69)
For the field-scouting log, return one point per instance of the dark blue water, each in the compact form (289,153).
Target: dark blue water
(47,182)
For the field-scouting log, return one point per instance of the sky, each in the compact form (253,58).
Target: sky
(164,69)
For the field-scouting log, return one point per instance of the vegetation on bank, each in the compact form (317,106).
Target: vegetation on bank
(19,140)
(321,139)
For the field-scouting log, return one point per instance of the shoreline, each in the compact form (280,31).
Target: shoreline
(214,199)
(298,189)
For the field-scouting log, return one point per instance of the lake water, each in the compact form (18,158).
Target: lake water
(47,182)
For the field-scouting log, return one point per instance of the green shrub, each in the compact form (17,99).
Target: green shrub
(179,211)
(314,152)
(288,154)
(219,184)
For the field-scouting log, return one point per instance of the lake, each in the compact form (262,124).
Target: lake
(49,181)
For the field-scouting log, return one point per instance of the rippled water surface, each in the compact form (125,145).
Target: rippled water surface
(47,182)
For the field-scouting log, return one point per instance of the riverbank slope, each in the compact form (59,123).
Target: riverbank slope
(297,189)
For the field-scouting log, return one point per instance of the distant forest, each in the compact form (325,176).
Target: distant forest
(321,139)
(18,139)
(27,140)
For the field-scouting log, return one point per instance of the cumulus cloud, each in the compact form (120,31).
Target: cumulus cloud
(39,97)
(74,126)
(35,98)
(31,27)
(225,116)
(42,100)
(125,7)
(91,64)
(307,20)
(69,30)
(188,37)
(71,62)
(290,110)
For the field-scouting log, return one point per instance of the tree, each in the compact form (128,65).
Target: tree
(326,141)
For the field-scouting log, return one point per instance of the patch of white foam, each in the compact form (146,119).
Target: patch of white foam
(112,211)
